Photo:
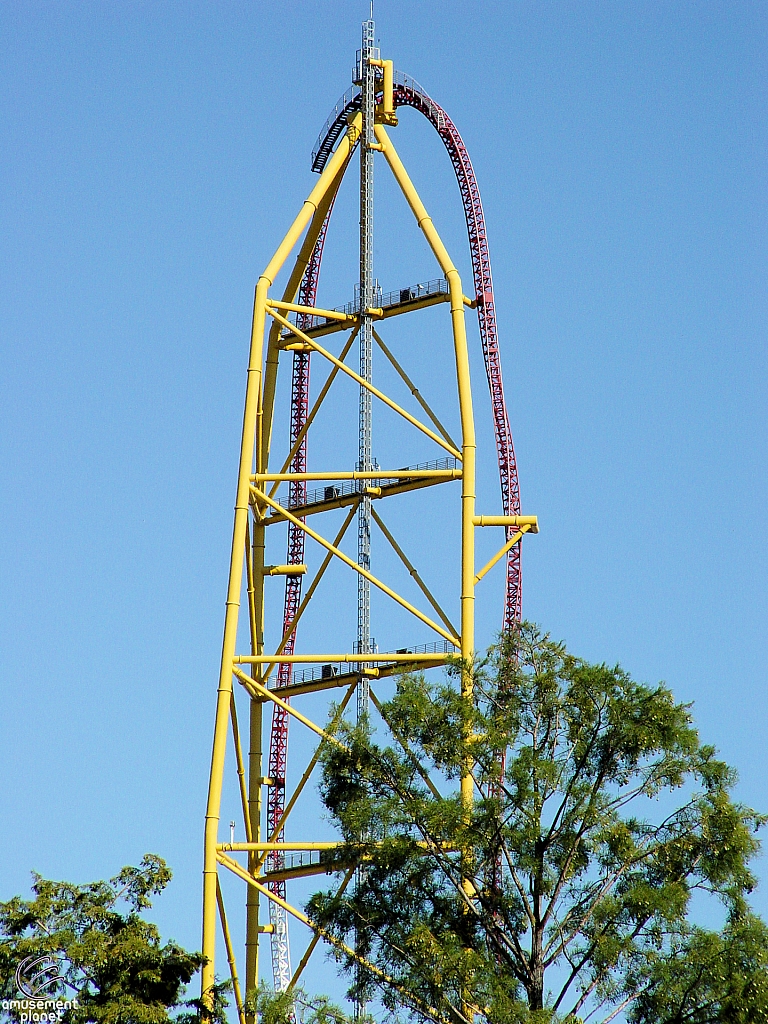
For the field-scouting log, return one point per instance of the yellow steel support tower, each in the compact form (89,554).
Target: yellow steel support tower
(257,508)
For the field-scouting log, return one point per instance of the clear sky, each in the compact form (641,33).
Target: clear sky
(153,154)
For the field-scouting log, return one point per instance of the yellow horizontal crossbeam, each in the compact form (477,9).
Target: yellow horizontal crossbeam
(319,659)
(422,302)
(276,847)
(254,686)
(358,474)
(366,384)
(317,685)
(284,570)
(327,314)
(532,522)
(387,490)
(418,302)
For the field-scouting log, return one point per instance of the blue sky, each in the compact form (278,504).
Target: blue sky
(153,156)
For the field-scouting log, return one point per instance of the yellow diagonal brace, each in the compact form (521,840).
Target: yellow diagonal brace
(500,554)
(248,684)
(367,385)
(292,290)
(313,411)
(409,753)
(312,588)
(411,569)
(316,937)
(230,954)
(240,770)
(332,727)
(413,389)
(262,691)
(235,868)
(358,568)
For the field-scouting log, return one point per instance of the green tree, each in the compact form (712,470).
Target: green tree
(295,1007)
(111,960)
(568,889)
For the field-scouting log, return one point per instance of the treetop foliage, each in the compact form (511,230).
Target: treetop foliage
(113,967)
(566,889)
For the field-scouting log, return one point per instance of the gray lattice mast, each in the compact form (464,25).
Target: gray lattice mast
(366,75)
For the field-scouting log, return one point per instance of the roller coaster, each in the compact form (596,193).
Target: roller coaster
(293,327)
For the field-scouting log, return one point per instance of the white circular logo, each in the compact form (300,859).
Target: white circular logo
(37,975)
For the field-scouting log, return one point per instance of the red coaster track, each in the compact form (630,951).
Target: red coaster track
(407,92)
(278,745)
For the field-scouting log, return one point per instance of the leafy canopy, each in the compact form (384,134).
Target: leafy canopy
(111,960)
(567,889)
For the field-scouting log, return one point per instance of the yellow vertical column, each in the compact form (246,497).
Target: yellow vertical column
(468,451)
(255,770)
(469,444)
(252,392)
(251,426)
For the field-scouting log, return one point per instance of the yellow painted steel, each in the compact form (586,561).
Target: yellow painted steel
(308,771)
(531,522)
(316,937)
(328,314)
(331,939)
(409,753)
(230,955)
(413,389)
(266,847)
(241,778)
(312,588)
(355,474)
(273,334)
(413,571)
(325,193)
(267,694)
(359,569)
(514,539)
(311,659)
(313,411)
(247,445)
(359,474)
(367,385)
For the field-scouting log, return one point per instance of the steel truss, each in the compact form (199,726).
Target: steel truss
(294,324)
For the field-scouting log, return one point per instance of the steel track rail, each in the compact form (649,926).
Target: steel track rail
(278,740)
(407,92)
